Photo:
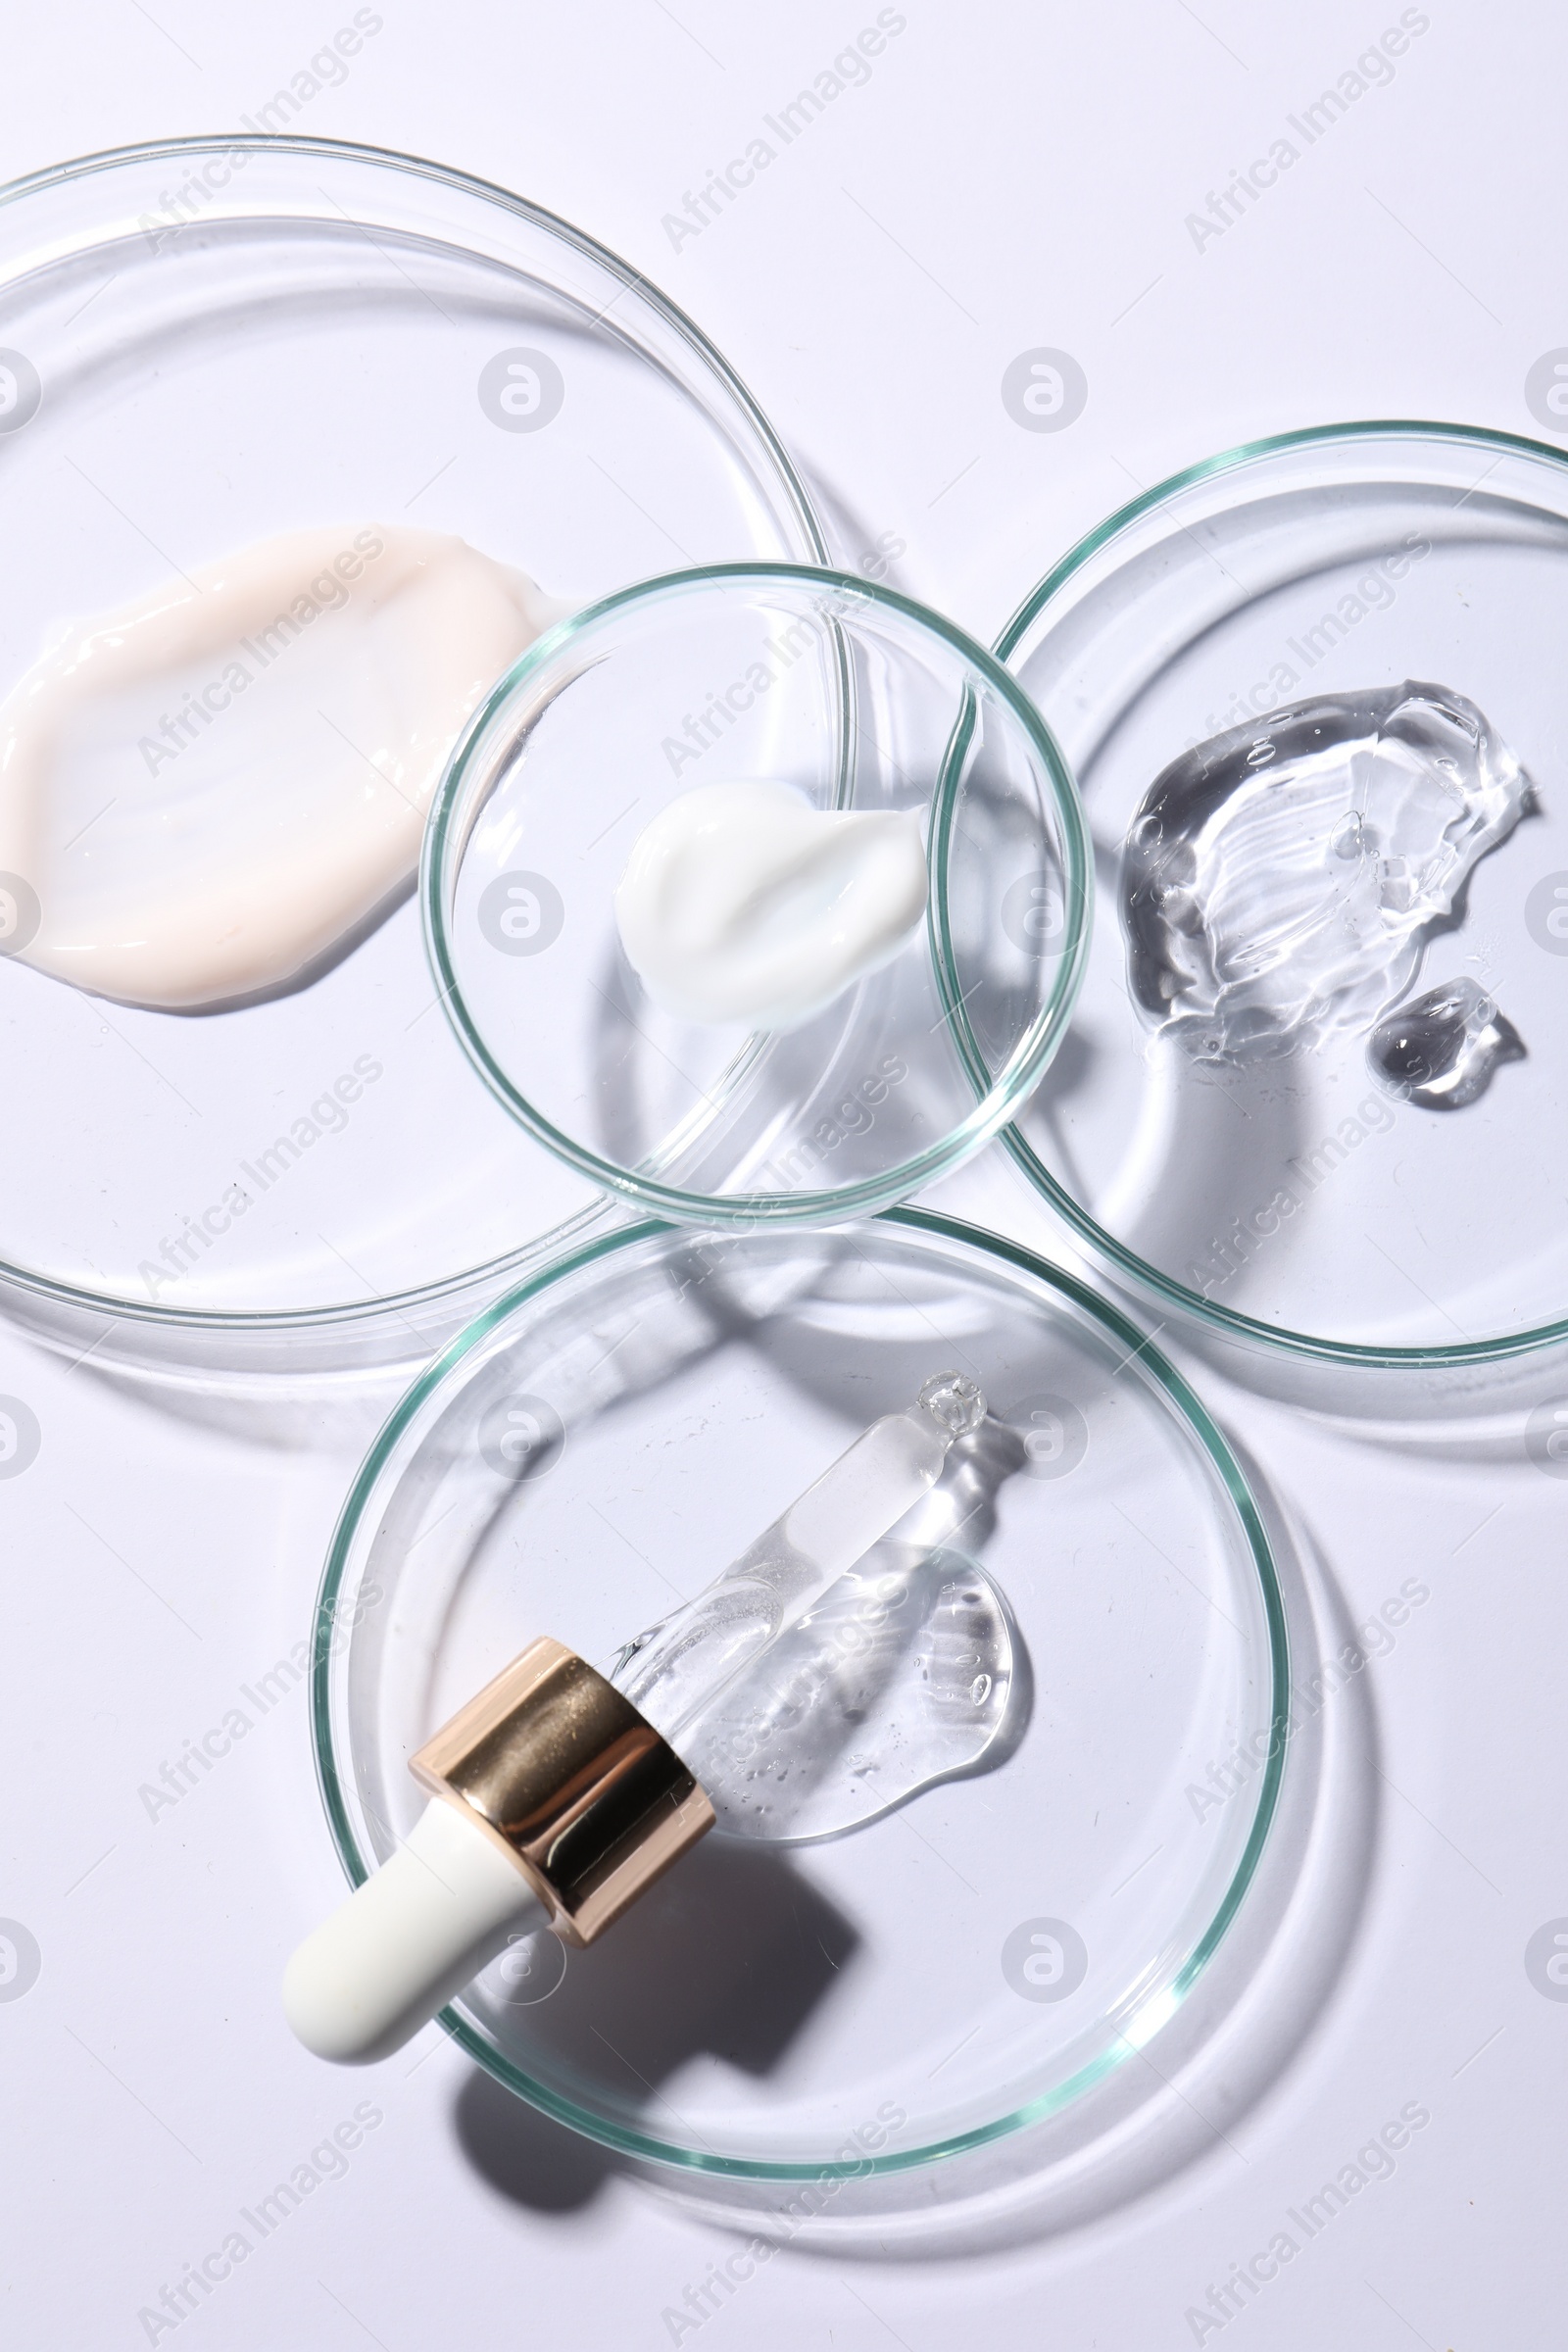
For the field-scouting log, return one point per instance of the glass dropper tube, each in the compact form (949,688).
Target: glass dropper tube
(674,1672)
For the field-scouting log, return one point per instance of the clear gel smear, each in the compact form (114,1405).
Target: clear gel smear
(1280,881)
(900,1677)
(833,1671)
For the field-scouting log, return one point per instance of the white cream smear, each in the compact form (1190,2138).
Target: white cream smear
(208,789)
(744,902)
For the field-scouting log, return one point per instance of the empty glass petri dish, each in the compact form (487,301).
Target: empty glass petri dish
(1309,1200)
(742,673)
(973,1961)
(205,343)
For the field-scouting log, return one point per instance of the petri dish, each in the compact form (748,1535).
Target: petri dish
(961,1968)
(861,699)
(1291,1207)
(207,342)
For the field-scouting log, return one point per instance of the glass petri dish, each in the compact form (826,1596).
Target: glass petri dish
(959,1968)
(207,342)
(862,699)
(1292,1209)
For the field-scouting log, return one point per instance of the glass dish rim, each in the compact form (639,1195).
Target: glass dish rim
(748,1210)
(1158,2009)
(1211,1314)
(349,1313)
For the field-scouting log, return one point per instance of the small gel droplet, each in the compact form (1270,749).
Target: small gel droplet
(1442,1050)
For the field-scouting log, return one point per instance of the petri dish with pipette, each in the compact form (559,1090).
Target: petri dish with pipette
(815,1990)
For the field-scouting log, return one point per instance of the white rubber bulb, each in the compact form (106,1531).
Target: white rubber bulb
(408,1939)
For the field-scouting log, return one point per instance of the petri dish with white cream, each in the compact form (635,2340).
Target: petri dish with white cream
(300,445)
(681,894)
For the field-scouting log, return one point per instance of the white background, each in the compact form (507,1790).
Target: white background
(1008,179)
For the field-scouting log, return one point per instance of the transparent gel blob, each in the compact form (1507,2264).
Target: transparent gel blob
(901,1675)
(1280,881)
(838,1667)
(673,1671)
(1441,1050)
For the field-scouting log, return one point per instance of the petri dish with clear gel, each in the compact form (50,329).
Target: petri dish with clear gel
(970,1962)
(859,700)
(205,343)
(1312,1213)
